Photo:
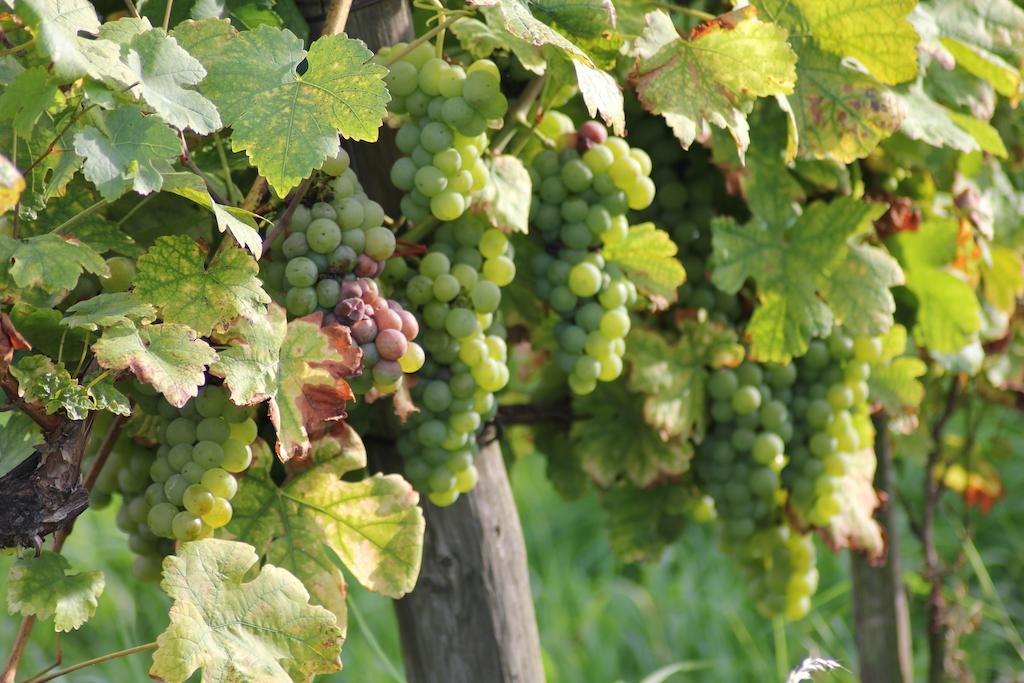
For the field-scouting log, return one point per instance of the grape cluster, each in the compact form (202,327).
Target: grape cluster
(328,243)
(744,451)
(182,492)
(457,289)
(446,110)
(782,564)
(581,195)
(384,331)
(830,401)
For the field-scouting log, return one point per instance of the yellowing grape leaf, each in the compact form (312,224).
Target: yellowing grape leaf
(713,77)
(168,356)
(792,267)
(855,526)
(300,366)
(837,110)
(286,123)
(648,257)
(505,201)
(612,434)
(51,385)
(173,275)
(12,184)
(65,33)
(47,586)
(109,309)
(132,151)
(234,629)
(375,525)
(48,262)
(1003,277)
(672,376)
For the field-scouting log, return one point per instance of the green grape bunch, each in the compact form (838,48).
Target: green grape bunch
(457,290)
(445,112)
(583,190)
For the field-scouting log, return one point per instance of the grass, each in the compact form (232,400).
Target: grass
(684,618)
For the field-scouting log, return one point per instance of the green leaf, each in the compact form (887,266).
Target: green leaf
(286,123)
(173,275)
(301,367)
(19,436)
(41,328)
(930,122)
(986,39)
(506,199)
(168,356)
(64,34)
(131,153)
(234,629)
(672,376)
(43,381)
(165,74)
(49,262)
(516,17)
(28,98)
(93,230)
(12,184)
(239,222)
(106,396)
(837,110)
(642,522)
(986,135)
(715,76)
(613,436)
(647,256)
(47,586)
(109,309)
(481,41)
(791,266)
(858,290)
(1003,277)
(56,165)
(895,384)
(948,312)
(374,525)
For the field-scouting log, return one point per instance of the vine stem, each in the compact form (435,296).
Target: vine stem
(93,662)
(688,11)
(18,48)
(337,17)
(517,114)
(441,27)
(132,8)
(20,641)
(255,194)
(167,14)
(419,232)
(286,218)
(234,194)
(79,216)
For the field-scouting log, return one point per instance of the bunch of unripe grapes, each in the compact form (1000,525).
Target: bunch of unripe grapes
(328,243)
(743,453)
(457,290)
(833,425)
(582,192)
(182,491)
(445,111)
(782,564)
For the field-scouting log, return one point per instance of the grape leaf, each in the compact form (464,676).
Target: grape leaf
(52,167)
(602,95)
(65,31)
(41,328)
(109,309)
(715,76)
(506,199)
(106,396)
(92,230)
(672,376)
(895,384)
(647,256)
(26,99)
(164,73)
(858,291)
(837,110)
(286,123)
(948,313)
(19,436)
(43,381)
(791,266)
(173,275)
(238,221)
(48,262)
(639,526)
(374,525)
(481,40)
(47,586)
(168,356)
(855,526)
(1003,277)
(261,629)
(301,367)
(12,184)
(612,433)
(131,153)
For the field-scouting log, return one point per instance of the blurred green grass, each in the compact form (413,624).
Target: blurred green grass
(600,621)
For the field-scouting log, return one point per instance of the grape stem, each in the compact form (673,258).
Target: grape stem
(428,35)
(167,15)
(18,48)
(286,218)
(233,192)
(79,216)
(103,452)
(42,678)
(186,159)
(517,115)
(131,8)
(422,230)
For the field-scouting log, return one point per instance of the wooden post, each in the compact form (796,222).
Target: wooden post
(471,617)
(882,620)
